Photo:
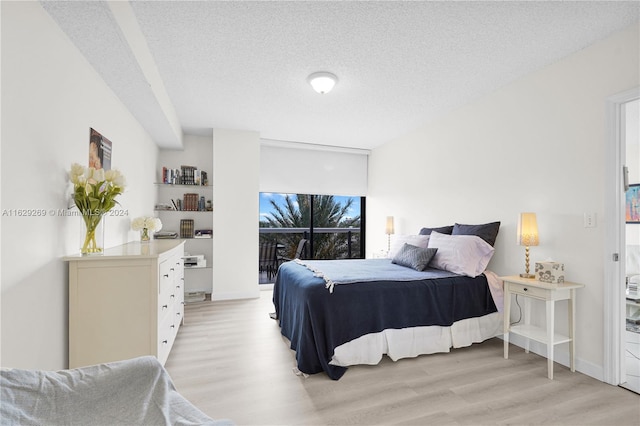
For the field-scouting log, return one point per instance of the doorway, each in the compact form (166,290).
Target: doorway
(622,354)
(631,340)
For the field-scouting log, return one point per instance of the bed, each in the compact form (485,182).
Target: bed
(339,313)
(137,391)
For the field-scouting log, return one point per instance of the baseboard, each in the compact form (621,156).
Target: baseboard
(560,355)
(235,295)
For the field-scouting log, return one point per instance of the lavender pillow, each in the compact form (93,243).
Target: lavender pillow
(461,254)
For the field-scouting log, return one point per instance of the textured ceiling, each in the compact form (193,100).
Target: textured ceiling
(243,65)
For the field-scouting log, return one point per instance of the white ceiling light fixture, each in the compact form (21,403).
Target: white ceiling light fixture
(322,82)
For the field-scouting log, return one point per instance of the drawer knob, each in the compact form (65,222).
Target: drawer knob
(165,306)
(172,326)
(171,269)
(173,295)
(526,289)
(166,275)
(164,342)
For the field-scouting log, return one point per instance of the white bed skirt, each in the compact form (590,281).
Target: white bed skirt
(414,341)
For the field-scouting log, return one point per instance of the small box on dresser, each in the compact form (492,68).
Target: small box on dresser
(550,272)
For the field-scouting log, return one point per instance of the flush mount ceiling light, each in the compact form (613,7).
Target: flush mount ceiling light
(322,82)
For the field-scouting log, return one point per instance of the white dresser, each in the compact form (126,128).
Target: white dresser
(125,303)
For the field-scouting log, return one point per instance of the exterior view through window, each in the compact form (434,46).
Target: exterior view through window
(309,227)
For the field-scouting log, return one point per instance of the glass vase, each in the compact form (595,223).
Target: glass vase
(92,234)
(145,235)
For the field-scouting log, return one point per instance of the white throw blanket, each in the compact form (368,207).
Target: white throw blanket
(132,392)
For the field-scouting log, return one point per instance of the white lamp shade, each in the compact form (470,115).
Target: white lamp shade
(389,227)
(528,230)
(322,82)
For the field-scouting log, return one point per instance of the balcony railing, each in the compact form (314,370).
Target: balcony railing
(348,247)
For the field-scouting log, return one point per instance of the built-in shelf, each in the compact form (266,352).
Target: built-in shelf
(180,185)
(197,154)
(184,211)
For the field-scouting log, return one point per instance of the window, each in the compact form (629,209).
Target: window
(333,225)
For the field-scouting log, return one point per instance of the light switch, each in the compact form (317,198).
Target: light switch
(590,220)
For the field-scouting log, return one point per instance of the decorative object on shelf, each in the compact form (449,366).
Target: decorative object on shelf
(550,272)
(389,231)
(146,225)
(94,194)
(186,228)
(527,236)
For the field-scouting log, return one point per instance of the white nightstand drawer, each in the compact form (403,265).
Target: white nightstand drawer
(530,291)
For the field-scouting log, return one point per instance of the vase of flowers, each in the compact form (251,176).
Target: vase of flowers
(146,225)
(94,193)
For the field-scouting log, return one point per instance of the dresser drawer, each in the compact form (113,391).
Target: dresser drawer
(530,291)
(166,335)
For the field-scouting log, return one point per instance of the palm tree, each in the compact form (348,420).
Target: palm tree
(327,213)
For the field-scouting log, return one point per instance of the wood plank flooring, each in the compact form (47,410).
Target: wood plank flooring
(231,361)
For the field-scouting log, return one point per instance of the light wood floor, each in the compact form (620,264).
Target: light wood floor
(231,361)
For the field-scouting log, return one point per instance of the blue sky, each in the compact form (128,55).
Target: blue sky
(266,208)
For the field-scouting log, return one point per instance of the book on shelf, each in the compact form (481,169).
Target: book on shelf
(164,206)
(203,233)
(190,202)
(162,235)
(185,175)
(186,228)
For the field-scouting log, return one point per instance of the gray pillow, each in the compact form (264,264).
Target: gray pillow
(442,230)
(414,257)
(486,231)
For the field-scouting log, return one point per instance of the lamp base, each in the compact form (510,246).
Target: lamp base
(531,276)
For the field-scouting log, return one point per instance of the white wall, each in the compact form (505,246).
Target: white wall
(236,173)
(50,98)
(538,145)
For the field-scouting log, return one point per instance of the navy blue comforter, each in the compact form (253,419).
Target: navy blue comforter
(317,321)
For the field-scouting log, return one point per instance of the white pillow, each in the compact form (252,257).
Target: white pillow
(397,241)
(461,254)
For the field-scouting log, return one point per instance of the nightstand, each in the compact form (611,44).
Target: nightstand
(532,289)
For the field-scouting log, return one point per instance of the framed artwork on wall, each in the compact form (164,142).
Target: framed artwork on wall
(632,210)
(99,151)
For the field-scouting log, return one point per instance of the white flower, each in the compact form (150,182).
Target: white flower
(150,223)
(75,173)
(138,223)
(98,175)
(114,176)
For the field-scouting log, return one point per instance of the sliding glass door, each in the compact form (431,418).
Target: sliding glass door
(330,226)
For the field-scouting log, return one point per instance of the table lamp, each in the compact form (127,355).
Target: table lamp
(527,236)
(389,230)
